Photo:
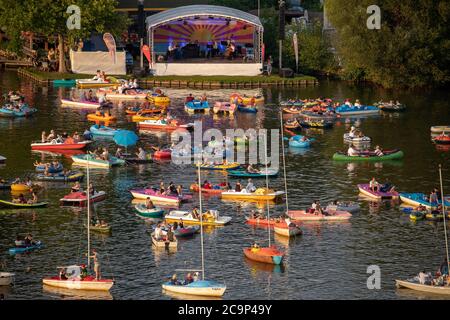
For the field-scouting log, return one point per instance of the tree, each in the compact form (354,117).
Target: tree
(49,18)
(410,50)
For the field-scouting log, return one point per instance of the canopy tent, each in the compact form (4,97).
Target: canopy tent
(201,34)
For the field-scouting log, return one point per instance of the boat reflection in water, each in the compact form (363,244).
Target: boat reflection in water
(256,267)
(68,294)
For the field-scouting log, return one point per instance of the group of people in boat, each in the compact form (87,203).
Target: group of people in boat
(170,190)
(164,233)
(51,168)
(100,154)
(187,280)
(191,98)
(355,133)
(22,200)
(375,186)
(352,151)
(125,86)
(440,278)
(100,76)
(83,271)
(141,154)
(53,137)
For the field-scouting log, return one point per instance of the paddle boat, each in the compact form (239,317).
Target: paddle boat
(2,159)
(85,159)
(416,215)
(61,177)
(145,213)
(292,110)
(215,190)
(287,229)
(370,156)
(261,194)
(245,174)
(196,105)
(256,99)
(356,139)
(330,215)
(210,218)
(224,107)
(364,188)
(159,99)
(79,199)
(390,107)
(101,228)
(25,248)
(328,116)
(351,207)
(155,196)
(263,222)
(247,109)
(265,255)
(164,244)
(6,278)
(80,104)
(186,231)
(441,139)
(345,110)
(13,112)
(130,94)
(292,124)
(98,116)
(104,131)
(15,205)
(420,199)
(75,282)
(440,129)
(299,141)
(225,166)
(90,83)
(163,124)
(69,144)
(64,82)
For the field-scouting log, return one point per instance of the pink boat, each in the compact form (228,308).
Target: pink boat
(79,199)
(156,196)
(365,189)
(302,215)
(225,107)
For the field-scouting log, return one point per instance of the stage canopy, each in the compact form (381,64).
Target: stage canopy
(204,34)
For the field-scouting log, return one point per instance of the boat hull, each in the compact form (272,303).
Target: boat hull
(365,190)
(60,146)
(264,255)
(443,290)
(302,215)
(210,289)
(100,285)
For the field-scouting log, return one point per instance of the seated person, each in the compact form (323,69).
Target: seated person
(62,274)
(352,152)
(189,98)
(374,185)
(19,242)
(84,271)
(149,203)
(250,169)
(378,151)
(189,279)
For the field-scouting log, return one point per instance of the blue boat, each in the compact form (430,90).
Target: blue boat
(61,177)
(243,108)
(25,111)
(196,105)
(52,169)
(200,288)
(104,131)
(246,174)
(24,249)
(357,110)
(417,199)
(296,142)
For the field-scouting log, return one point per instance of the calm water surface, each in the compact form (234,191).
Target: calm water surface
(329,261)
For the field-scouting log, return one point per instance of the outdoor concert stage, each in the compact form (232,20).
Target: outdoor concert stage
(200,37)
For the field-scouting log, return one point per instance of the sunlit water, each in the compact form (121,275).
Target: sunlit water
(329,261)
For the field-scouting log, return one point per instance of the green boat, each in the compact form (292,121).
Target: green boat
(10,204)
(369,156)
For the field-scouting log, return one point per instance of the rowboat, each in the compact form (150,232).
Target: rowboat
(80,104)
(261,194)
(369,156)
(84,159)
(389,107)
(100,229)
(210,218)
(206,288)
(145,213)
(302,215)
(217,190)
(264,222)
(143,194)
(6,278)
(24,111)
(90,83)
(364,188)
(196,105)
(163,124)
(129,95)
(23,249)
(224,107)
(101,117)
(10,204)
(51,169)
(227,166)
(414,285)
(265,255)
(282,229)
(186,231)
(245,174)
(440,129)
(420,199)
(345,110)
(79,199)
(164,243)
(98,130)
(60,145)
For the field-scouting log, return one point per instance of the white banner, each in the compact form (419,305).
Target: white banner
(89,62)
(295,44)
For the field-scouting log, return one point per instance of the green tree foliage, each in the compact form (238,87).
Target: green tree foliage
(314,54)
(410,50)
(49,18)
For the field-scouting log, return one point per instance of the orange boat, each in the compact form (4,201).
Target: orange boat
(266,255)
(262,221)
(98,116)
(194,187)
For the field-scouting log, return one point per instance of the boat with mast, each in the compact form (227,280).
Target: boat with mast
(269,254)
(73,279)
(200,287)
(429,286)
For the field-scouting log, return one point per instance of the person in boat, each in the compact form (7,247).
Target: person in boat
(195,213)
(189,279)
(174,280)
(29,240)
(90,96)
(62,274)
(158,232)
(179,190)
(189,98)
(34,198)
(76,187)
(421,208)
(162,188)
(318,208)
(206,185)
(91,189)
(374,185)
(105,154)
(352,132)
(250,169)
(96,258)
(238,187)
(51,136)
(84,272)
(87,135)
(443,268)
(250,186)
(438,194)
(352,152)
(149,203)
(203,98)
(172,189)
(21,199)
(348,103)
(378,151)
(170,236)
(357,103)
(423,277)
(118,153)
(97,76)
(19,242)
(181,224)
(141,154)
(43,137)
(433,197)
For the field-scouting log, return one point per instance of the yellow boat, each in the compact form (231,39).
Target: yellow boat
(20,187)
(137,118)
(261,194)
(159,100)
(89,83)
(227,166)
(210,218)
(257,99)
(98,117)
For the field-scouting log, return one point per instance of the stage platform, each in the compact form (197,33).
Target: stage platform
(207,69)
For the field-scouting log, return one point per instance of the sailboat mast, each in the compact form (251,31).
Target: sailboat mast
(267,183)
(201,219)
(284,162)
(443,214)
(88,198)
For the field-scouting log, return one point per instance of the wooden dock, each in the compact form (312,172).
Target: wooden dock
(14,63)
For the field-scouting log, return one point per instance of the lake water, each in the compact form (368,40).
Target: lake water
(329,261)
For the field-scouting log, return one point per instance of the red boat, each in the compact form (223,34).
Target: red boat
(265,255)
(60,146)
(79,199)
(163,154)
(194,187)
(442,139)
(262,221)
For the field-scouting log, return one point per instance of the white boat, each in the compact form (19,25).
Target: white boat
(351,207)
(85,159)
(210,218)
(444,290)
(282,229)
(6,278)
(80,104)
(363,139)
(163,243)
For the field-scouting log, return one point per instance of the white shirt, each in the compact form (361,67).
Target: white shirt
(352,152)
(422,277)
